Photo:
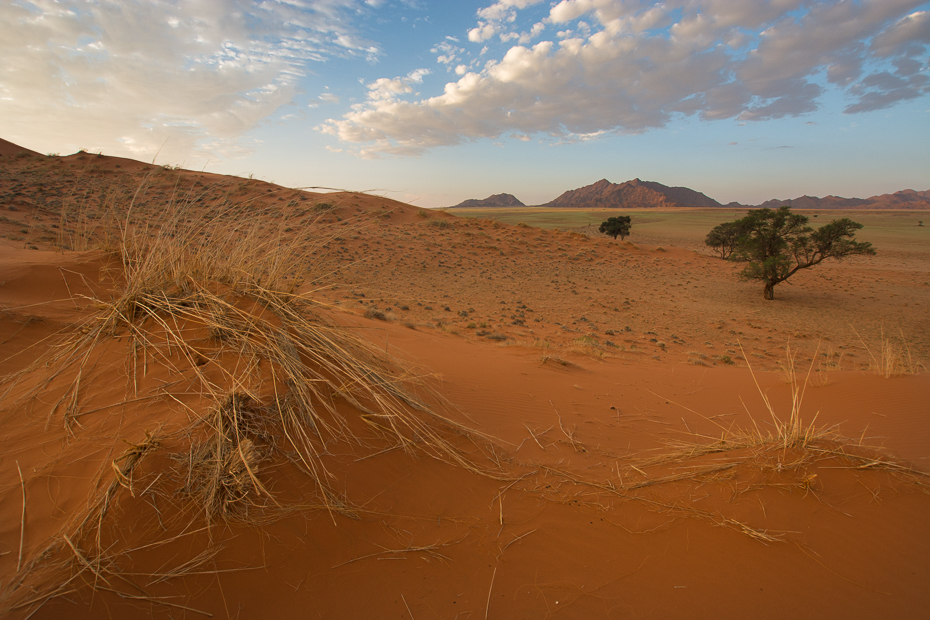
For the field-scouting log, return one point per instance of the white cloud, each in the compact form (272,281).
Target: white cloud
(482,32)
(504,9)
(385,90)
(494,20)
(535,31)
(634,66)
(130,77)
(447,53)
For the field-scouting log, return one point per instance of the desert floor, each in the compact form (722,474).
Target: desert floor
(605,429)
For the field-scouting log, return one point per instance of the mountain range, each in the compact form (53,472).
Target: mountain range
(637,194)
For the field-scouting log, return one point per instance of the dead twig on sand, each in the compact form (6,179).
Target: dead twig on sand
(158,601)
(520,537)
(487,607)
(427,549)
(22,522)
(571,436)
(408,607)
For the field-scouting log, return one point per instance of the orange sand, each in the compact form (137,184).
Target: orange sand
(583,525)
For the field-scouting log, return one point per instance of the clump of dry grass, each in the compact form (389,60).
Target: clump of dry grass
(790,430)
(235,273)
(782,431)
(223,467)
(891,357)
(224,298)
(782,452)
(557,361)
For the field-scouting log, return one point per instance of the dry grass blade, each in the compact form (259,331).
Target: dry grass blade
(126,463)
(158,601)
(22,522)
(430,550)
(85,563)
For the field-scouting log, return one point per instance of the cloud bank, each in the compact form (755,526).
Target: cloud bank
(133,77)
(632,65)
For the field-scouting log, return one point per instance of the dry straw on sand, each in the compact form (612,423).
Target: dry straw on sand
(891,358)
(223,299)
(782,452)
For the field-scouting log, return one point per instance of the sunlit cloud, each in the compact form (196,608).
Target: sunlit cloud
(621,66)
(186,78)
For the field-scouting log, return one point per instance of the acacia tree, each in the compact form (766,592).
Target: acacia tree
(616,226)
(776,244)
(724,239)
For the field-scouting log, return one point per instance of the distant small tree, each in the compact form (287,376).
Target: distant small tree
(724,239)
(776,244)
(616,227)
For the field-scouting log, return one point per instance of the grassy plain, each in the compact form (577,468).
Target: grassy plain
(892,231)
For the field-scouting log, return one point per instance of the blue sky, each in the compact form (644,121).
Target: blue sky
(432,102)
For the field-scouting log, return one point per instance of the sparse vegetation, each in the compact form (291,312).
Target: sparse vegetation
(891,358)
(439,224)
(373,313)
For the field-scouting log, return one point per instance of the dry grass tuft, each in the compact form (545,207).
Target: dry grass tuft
(223,468)
(789,431)
(782,452)
(891,357)
(250,285)
(557,361)
(223,299)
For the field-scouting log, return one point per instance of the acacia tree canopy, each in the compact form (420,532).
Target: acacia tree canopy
(616,226)
(776,244)
(724,239)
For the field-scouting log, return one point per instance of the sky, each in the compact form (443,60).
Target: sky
(435,101)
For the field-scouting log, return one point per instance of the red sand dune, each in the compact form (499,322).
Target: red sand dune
(600,487)
(8,149)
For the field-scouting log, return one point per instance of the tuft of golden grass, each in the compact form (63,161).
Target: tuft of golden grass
(224,298)
(789,430)
(782,431)
(781,452)
(891,358)
(222,468)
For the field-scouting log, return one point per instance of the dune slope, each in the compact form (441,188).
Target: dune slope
(501,466)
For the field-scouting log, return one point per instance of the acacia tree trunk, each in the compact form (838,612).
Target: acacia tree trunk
(769,292)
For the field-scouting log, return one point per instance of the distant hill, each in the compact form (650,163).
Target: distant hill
(633,194)
(905,199)
(497,200)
